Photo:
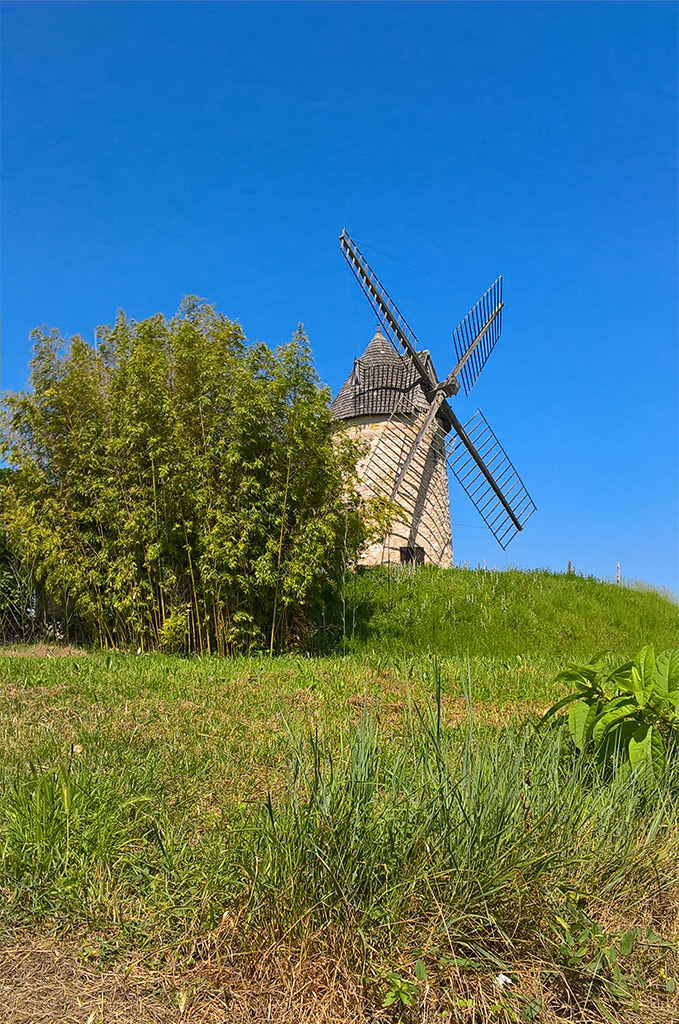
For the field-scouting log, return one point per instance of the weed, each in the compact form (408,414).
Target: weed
(631,710)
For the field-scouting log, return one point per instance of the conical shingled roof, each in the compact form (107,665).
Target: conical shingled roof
(382,381)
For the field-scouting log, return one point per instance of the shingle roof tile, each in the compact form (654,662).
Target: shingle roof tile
(381,382)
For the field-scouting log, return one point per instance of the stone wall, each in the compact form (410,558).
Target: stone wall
(423,496)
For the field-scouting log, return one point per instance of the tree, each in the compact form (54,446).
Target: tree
(176,488)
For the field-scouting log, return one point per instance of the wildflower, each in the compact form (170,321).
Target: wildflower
(503,980)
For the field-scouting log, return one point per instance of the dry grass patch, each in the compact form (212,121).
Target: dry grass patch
(44,981)
(42,651)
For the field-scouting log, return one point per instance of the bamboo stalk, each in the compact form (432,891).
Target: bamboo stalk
(280,551)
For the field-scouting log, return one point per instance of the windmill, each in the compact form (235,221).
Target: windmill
(394,401)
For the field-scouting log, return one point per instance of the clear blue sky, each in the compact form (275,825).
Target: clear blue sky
(152,150)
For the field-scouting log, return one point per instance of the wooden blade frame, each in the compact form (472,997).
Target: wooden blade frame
(475,338)
(400,334)
(395,325)
(485,471)
(474,453)
(425,428)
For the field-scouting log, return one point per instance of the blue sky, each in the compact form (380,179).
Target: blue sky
(154,150)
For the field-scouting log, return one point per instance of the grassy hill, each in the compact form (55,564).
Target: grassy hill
(478,612)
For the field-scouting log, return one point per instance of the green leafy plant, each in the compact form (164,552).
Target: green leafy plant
(631,710)
(531,1009)
(173,633)
(597,955)
(609,962)
(401,991)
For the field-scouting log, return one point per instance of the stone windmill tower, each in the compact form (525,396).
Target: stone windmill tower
(381,402)
(393,400)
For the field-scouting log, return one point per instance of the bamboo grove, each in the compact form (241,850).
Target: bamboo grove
(175,488)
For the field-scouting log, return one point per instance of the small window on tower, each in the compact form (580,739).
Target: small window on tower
(412,556)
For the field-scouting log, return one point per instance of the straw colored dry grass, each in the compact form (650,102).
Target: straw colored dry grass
(43,982)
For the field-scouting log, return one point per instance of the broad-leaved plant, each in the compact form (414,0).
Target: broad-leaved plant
(630,711)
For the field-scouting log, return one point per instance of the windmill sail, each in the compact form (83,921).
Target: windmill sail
(394,323)
(475,338)
(395,401)
(485,471)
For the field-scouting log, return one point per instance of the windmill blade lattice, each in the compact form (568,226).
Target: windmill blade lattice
(487,474)
(475,338)
(394,323)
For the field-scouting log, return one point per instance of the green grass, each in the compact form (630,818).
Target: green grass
(375,809)
(535,615)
